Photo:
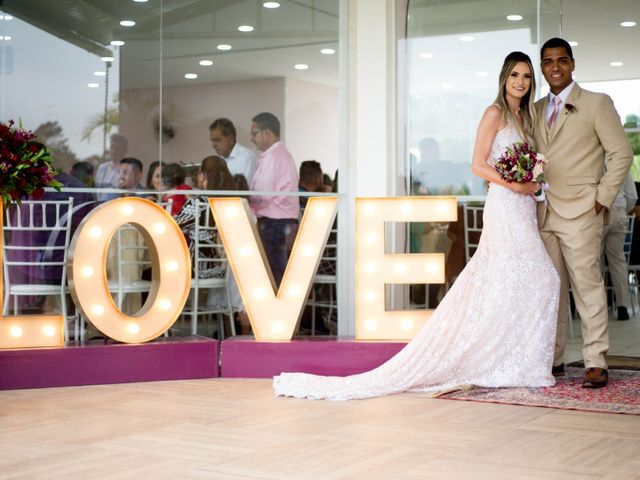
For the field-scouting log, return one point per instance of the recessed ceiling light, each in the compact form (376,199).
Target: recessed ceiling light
(191,76)
(245,28)
(6,37)
(573,44)
(6,17)
(481,74)
(270,4)
(93,85)
(514,18)
(616,64)
(426,55)
(327,51)
(223,47)
(466,38)
(117,43)
(206,63)
(127,23)
(628,23)
(141,1)
(99,74)
(106,59)
(301,66)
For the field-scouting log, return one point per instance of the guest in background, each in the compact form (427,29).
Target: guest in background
(173,176)
(83,171)
(108,173)
(311,180)
(276,172)
(613,245)
(240,160)
(153,177)
(327,183)
(130,174)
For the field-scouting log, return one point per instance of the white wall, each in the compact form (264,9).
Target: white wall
(191,110)
(312,123)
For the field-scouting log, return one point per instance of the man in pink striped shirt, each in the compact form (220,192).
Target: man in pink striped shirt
(276,172)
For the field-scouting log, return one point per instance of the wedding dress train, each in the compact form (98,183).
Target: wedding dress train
(496,326)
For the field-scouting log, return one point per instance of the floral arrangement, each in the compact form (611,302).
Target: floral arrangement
(26,166)
(520,164)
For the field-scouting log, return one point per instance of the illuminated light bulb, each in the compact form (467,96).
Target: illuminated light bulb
(370,296)
(172,266)
(259,293)
(307,251)
(370,238)
(133,328)
(433,267)
(321,211)
(230,212)
(294,291)
(442,207)
(164,304)
(369,209)
(49,331)
(369,267)
(127,210)
(406,208)
(407,324)
(98,310)
(245,251)
(401,268)
(276,327)
(371,324)
(95,232)
(15,331)
(87,271)
(159,228)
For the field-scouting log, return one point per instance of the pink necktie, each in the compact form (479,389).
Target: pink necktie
(554,114)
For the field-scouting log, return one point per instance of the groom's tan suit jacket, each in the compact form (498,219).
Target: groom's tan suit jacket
(587,130)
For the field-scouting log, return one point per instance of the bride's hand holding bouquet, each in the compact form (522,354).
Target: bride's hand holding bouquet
(523,169)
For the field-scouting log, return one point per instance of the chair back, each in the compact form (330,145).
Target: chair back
(209,256)
(628,237)
(37,234)
(472,229)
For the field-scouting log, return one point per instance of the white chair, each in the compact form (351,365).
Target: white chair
(44,247)
(631,271)
(325,276)
(210,272)
(472,229)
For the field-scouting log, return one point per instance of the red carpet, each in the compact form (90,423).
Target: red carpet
(622,395)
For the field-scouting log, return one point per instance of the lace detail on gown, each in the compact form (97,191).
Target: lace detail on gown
(495,327)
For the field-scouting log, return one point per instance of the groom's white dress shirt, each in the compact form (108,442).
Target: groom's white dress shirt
(563,95)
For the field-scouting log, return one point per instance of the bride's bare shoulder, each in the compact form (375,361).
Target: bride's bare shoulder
(492,118)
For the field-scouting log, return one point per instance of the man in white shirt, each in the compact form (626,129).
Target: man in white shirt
(240,160)
(613,245)
(108,173)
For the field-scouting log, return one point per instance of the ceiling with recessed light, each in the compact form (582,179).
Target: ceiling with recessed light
(271,42)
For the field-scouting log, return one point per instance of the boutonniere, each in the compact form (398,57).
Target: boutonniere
(570,107)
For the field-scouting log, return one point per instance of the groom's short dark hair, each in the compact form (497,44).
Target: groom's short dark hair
(556,42)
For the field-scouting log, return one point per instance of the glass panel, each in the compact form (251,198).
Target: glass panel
(139,120)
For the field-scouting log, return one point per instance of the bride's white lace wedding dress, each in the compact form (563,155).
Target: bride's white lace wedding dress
(496,327)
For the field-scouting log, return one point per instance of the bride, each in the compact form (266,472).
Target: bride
(496,327)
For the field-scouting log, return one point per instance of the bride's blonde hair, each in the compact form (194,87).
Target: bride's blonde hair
(527,108)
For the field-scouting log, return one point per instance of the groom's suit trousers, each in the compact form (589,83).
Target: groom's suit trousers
(574,248)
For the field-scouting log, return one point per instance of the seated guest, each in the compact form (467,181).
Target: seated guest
(153,180)
(108,173)
(311,179)
(83,171)
(173,176)
(130,174)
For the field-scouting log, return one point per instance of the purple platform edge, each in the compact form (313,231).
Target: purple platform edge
(244,357)
(97,363)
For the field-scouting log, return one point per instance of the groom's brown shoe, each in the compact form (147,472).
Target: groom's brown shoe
(595,378)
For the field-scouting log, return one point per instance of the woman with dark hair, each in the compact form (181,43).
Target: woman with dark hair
(173,178)
(153,180)
(496,326)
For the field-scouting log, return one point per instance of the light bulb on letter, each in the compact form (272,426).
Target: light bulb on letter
(15,331)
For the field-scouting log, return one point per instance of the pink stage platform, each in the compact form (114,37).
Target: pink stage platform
(243,357)
(97,362)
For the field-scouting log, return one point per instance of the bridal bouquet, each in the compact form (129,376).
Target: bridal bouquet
(26,166)
(520,164)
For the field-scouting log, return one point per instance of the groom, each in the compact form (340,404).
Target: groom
(576,130)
